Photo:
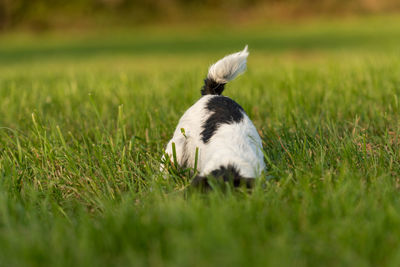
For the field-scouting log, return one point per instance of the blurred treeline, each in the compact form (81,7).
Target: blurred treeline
(44,14)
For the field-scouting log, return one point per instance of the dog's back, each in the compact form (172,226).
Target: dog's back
(229,147)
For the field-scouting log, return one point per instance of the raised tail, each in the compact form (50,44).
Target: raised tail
(223,71)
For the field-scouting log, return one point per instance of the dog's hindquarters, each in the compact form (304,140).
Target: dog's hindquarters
(229,147)
(228,174)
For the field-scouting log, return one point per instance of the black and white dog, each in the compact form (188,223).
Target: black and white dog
(229,147)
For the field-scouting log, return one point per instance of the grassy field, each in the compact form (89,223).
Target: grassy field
(84,120)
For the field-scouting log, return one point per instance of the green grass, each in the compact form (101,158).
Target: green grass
(83,123)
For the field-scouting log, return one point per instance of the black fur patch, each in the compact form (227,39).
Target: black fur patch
(223,174)
(211,87)
(224,111)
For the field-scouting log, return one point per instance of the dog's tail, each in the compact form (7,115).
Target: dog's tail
(223,71)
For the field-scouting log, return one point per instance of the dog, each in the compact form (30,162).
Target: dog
(215,135)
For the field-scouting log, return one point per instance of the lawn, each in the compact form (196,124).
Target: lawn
(84,120)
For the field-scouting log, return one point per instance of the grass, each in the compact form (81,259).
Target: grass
(83,123)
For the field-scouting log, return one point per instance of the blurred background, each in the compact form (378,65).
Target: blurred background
(42,15)
(32,29)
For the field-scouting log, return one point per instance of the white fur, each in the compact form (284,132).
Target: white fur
(228,68)
(236,144)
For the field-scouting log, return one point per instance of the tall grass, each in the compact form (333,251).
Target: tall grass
(81,139)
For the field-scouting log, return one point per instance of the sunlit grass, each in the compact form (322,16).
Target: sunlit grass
(82,133)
